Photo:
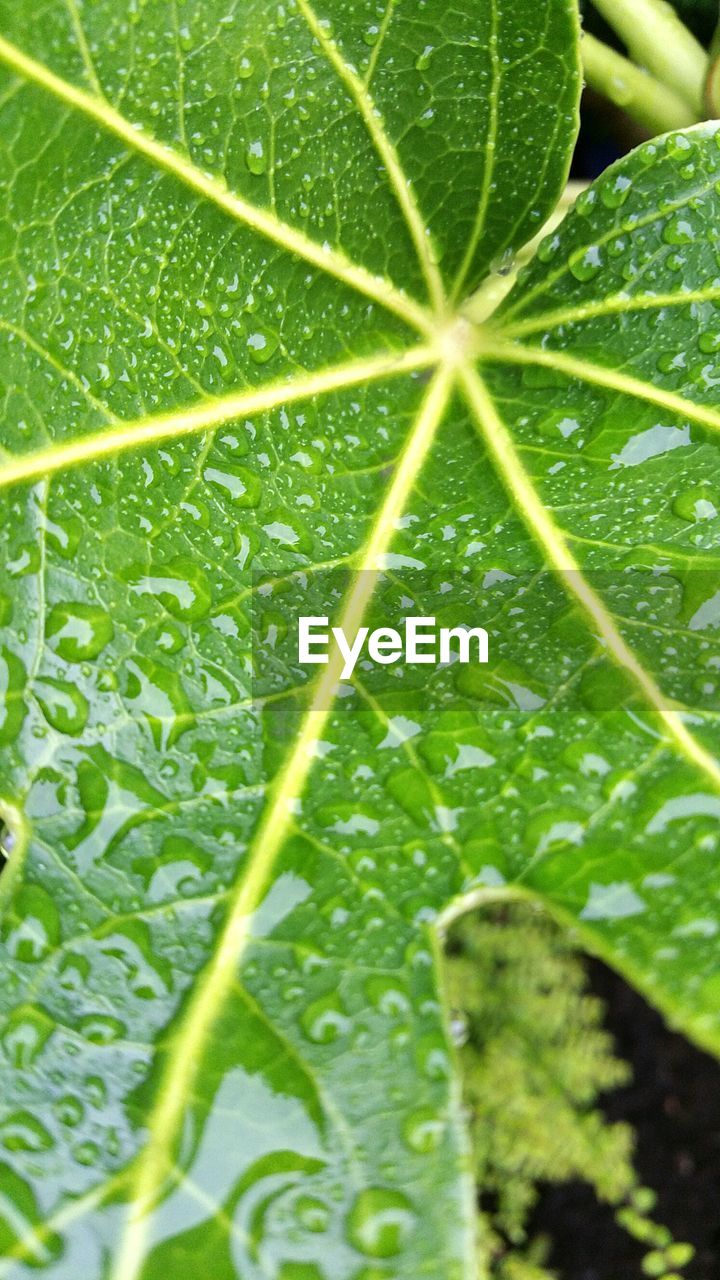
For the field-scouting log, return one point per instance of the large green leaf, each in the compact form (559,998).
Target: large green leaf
(235,385)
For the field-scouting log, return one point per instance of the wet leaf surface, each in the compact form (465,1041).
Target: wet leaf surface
(237,381)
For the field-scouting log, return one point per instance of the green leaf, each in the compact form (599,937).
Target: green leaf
(235,385)
(602,369)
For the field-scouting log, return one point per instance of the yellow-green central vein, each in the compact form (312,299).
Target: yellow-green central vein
(617,304)
(360,95)
(214,985)
(602,376)
(207,414)
(331,261)
(216,981)
(552,541)
(490,155)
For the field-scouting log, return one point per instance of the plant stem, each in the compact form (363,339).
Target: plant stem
(643,97)
(712,84)
(657,39)
(485,301)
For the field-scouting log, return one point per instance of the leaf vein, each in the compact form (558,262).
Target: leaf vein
(388,154)
(617,304)
(551,539)
(206,415)
(213,986)
(331,261)
(602,376)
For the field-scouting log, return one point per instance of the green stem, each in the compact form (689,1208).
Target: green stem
(643,97)
(658,40)
(481,305)
(712,84)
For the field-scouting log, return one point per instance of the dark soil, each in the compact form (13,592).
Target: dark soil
(673,1104)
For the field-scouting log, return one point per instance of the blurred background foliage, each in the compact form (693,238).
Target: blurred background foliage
(535,1060)
(606,131)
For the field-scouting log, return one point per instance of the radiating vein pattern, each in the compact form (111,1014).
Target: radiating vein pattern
(233,392)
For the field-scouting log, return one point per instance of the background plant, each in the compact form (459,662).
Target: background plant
(535,1061)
